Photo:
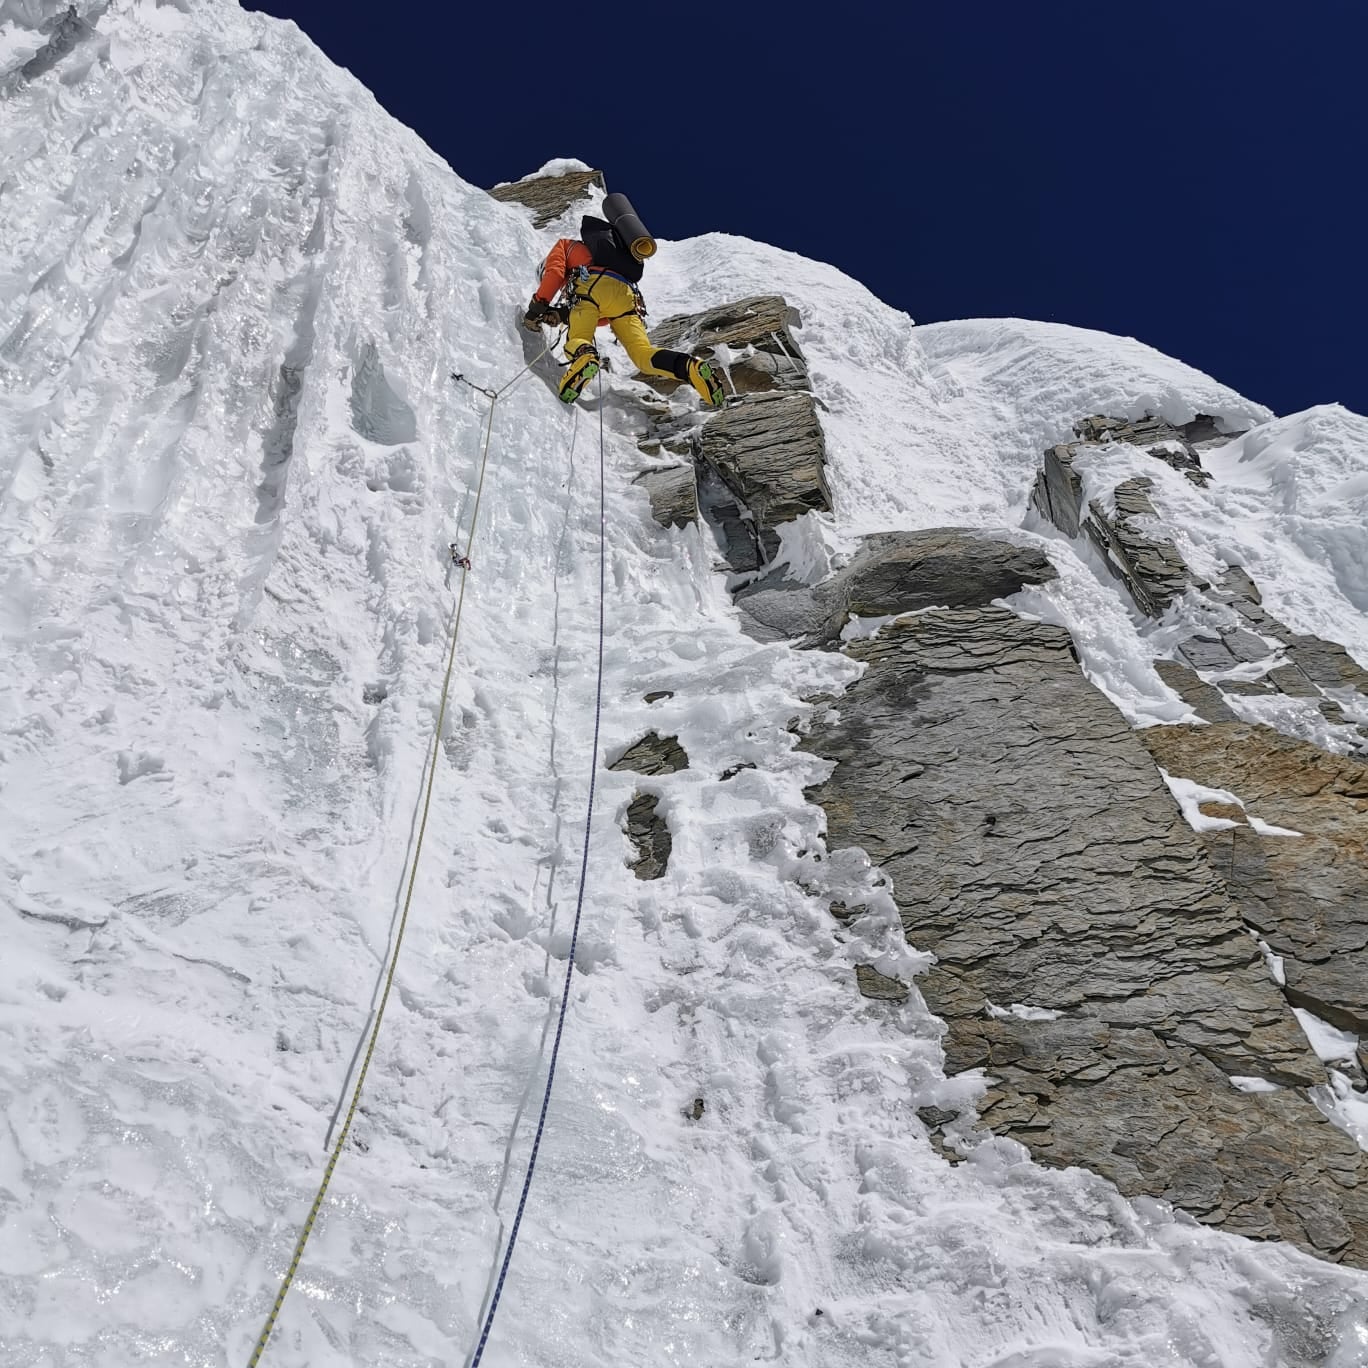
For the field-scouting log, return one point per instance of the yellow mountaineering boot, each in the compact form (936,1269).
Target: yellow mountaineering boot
(584,365)
(704,379)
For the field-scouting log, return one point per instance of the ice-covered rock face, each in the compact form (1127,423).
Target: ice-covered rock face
(231,462)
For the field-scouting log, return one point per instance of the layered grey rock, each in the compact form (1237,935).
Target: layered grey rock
(896,572)
(650,836)
(744,546)
(1033,847)
(66,32)
(759,462)
(647,830)
(550,196)
(673,491)
(1325,664)
(653,754)
(1177,446)
(1150,567)
(1296,665)
(1089,955)
(900,572)
(760,327)
(771,454)
(1204,699)
(1058,491)
(873,984)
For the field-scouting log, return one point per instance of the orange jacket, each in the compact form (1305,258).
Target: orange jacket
(560,261)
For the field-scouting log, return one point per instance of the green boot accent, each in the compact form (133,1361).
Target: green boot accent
(704,379)
(584,365)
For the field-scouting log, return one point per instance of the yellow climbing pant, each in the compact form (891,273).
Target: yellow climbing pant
(614,300)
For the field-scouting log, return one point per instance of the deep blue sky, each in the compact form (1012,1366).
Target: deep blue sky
(1193,173)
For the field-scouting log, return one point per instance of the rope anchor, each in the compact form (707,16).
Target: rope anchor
(461,380)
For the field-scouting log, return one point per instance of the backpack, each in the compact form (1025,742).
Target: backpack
(607,249)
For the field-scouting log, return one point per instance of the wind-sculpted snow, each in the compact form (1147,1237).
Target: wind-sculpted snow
(231,291)
(1301,483)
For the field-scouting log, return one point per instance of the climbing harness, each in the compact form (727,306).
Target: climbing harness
(453,633)
(575,927)
(579,289)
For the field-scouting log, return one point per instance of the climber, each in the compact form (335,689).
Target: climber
(597,275)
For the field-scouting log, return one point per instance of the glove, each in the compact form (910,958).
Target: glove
(539,312)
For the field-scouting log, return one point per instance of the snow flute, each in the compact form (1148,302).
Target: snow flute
(627,224)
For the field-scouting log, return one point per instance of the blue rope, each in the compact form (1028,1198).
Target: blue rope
(574,932)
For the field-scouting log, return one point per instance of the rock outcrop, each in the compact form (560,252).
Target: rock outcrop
(673,491)
(1058,493)
(1150,567)
(880,987)
(550,196)
(647,830)
(751,338)
(1096,958)
(1295,665)
(901,572)
(653,754)
(649,834)
(65,33)
(771,454)
(890,573)
(1089,956)
(761,461)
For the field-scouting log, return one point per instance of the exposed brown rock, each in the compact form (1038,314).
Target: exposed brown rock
(1230,812)
(1307,895)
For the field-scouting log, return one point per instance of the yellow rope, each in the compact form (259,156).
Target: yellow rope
(454,627)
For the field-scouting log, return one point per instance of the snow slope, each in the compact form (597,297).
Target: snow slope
(231,290)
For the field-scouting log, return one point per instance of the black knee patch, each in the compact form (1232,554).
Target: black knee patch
(677,363)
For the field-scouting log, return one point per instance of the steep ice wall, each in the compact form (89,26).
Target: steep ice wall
(231,290)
